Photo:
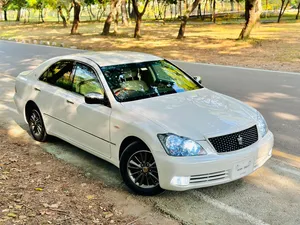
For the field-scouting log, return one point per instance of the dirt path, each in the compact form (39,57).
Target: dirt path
(37,188)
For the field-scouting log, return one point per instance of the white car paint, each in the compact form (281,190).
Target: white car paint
(100,130)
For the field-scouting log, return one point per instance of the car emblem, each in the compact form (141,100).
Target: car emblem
(240,140)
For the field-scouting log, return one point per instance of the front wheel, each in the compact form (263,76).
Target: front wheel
(138,170)
(36,126)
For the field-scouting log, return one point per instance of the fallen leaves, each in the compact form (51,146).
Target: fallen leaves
(35,188)
(13,215)
(39,189)
(90,197)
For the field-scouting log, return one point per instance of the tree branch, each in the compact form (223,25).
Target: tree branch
(145,7)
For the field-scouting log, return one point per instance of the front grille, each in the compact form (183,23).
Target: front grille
(235,141)
(209,177)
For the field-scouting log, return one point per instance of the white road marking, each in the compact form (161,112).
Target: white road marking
(229,209)
(295,172)
(240,68)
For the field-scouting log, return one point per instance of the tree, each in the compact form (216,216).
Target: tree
(298,10)
(76,20)
(138,17)
(252,15)
(18,5)
(67,6)
(60,12)
(284,5)
(124,13)
(4,5)
(113,15)
(231,5)
(101,8)
(89,4)
(188,11)
(162,8)
(213,13)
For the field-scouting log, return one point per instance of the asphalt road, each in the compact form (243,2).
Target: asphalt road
(271,195)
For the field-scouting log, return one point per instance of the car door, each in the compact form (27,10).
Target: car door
(90,122)
(51,91)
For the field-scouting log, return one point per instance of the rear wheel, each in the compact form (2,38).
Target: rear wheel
(138,170)
(36,125)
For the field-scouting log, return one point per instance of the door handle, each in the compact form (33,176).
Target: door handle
(37,89)
(70,102)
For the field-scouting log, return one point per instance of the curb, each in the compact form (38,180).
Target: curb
(38,42)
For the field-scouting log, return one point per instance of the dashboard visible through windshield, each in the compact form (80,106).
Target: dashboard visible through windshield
(135,81)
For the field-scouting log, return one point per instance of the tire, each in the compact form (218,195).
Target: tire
(36,125)
(139,171)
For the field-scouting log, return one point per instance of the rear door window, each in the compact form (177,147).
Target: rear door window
(59,74)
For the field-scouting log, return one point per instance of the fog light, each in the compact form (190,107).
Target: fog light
(270,152)
(180,181)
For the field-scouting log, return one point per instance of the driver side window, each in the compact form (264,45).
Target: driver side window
(86,81)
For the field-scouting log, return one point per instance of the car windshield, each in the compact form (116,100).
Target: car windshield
(136,81)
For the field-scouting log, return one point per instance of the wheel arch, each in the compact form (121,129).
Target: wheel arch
(28,107)
(127,141)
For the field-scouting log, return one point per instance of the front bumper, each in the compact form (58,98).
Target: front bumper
(212,169)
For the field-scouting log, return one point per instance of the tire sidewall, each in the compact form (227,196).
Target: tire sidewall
(43,136)
(131,149)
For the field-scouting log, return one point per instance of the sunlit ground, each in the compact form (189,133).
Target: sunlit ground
(272,46)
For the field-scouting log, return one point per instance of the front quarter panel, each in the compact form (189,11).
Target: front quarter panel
(125,124)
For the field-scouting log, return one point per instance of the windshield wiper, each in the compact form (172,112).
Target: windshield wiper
(140,97)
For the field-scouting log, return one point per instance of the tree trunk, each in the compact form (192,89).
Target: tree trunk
(5,14)
(62,16)
(28,15)
(76,20)
(188,11)
(137,30)
(232,5)
(252,15)
(182,28)
(100,12)
(18,15)
(91,11)
(180,8)
(204,10)
(199,11)
(111,17)
(42,17)
(213,14)
(107,24)
(282,10)
(297,16)
(124,13)
(69,12)
(138,17)
(116,21)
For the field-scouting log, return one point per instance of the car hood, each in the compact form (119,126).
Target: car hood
(195,114)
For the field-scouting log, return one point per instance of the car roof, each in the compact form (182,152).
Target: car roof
(110,58)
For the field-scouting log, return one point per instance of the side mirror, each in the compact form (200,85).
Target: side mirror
(95,98)
(198,79)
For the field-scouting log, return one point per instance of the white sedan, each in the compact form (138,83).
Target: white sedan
(160,126)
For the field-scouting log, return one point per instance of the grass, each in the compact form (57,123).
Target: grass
(272,46)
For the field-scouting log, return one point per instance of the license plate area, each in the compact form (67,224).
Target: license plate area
(242,168)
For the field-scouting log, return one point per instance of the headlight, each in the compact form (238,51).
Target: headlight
(180,146)
(261,125)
